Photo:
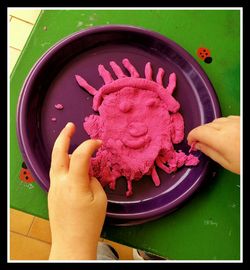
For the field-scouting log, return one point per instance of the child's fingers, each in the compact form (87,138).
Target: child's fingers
(97,189)
(205,134)
(60,157)
(80,159)
(235,117)
(220,119)
(212,153)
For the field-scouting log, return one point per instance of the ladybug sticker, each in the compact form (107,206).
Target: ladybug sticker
(205,55)
(25,174)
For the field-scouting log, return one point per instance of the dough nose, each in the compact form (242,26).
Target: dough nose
(137,129)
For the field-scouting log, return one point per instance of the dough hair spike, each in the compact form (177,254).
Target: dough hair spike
(105,74)
(85,85)
(160,75)
(132,70)
(117,70)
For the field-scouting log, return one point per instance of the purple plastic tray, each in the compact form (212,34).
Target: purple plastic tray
(52,81)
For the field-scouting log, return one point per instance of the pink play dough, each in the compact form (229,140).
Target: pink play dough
(59,106)
(139,124)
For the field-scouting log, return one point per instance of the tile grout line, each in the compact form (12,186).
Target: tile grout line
(30,226)
(34,237)
(15,48)
(31,237)
(22,20)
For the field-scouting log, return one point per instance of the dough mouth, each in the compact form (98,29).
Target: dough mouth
(137,129)
(136,143)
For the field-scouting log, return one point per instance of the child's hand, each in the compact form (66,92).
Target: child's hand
(77,202)
(220,140)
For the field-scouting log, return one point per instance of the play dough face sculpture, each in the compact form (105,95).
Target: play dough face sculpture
(139,124)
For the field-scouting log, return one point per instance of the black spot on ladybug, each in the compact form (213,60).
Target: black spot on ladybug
(208,60)
(24,165)
(25,175)
(205,55)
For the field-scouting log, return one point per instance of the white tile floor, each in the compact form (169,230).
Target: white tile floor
(21,22)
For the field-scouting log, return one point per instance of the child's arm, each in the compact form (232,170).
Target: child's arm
(77,202)
(220,140)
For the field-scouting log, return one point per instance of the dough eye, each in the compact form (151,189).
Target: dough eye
(151,102)
(125,106)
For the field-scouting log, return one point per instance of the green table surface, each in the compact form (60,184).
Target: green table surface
(207,227)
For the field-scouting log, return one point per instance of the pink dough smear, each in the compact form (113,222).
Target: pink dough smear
(139,124)
(59,106)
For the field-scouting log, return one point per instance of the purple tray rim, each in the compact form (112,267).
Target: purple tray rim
(80,34)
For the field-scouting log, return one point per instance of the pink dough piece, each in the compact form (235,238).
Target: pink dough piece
(172,83)
(85,85)
(160,75)
(105,74)
(192,147)
(138,123)
(53,119)
(148,71)
(117,70)
(132,70)
(191,160)
(59,106)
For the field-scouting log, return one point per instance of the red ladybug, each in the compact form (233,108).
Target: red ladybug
(205,55)
(25,174)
